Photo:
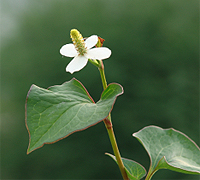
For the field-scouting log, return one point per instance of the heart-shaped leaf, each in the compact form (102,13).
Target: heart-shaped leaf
(134,170)
(56,112)
(169,149)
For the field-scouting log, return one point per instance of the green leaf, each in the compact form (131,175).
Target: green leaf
(169,149)
(134,170)
(54,113)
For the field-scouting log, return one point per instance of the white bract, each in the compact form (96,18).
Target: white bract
(79,61)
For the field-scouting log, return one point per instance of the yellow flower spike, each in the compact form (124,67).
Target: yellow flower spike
(78,41)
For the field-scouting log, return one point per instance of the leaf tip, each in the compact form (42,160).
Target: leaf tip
(28,151)
(133,134)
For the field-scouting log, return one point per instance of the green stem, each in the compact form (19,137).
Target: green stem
(109,127)
(103,77)
(150,174)
(94,62)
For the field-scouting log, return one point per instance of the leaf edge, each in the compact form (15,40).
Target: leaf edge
(28,152)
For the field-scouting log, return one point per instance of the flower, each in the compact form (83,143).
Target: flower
(82,50)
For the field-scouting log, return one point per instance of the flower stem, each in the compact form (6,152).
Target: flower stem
(109,127)
(103,77)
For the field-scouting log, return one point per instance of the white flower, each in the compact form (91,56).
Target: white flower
(81,51)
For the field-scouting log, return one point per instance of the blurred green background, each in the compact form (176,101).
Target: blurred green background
(155,57)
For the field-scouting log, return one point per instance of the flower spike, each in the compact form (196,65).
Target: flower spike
(78,41)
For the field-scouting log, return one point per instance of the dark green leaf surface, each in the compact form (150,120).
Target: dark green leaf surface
(56,112)
(134,170)
(170,149)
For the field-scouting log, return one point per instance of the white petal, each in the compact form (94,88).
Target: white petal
(68,50)
(91,41)
(98,53)
(78,63)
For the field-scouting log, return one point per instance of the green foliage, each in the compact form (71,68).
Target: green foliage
(134,170)
(169,149)
(155,56)
(58,111)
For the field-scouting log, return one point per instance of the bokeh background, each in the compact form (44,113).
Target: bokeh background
(155,57)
